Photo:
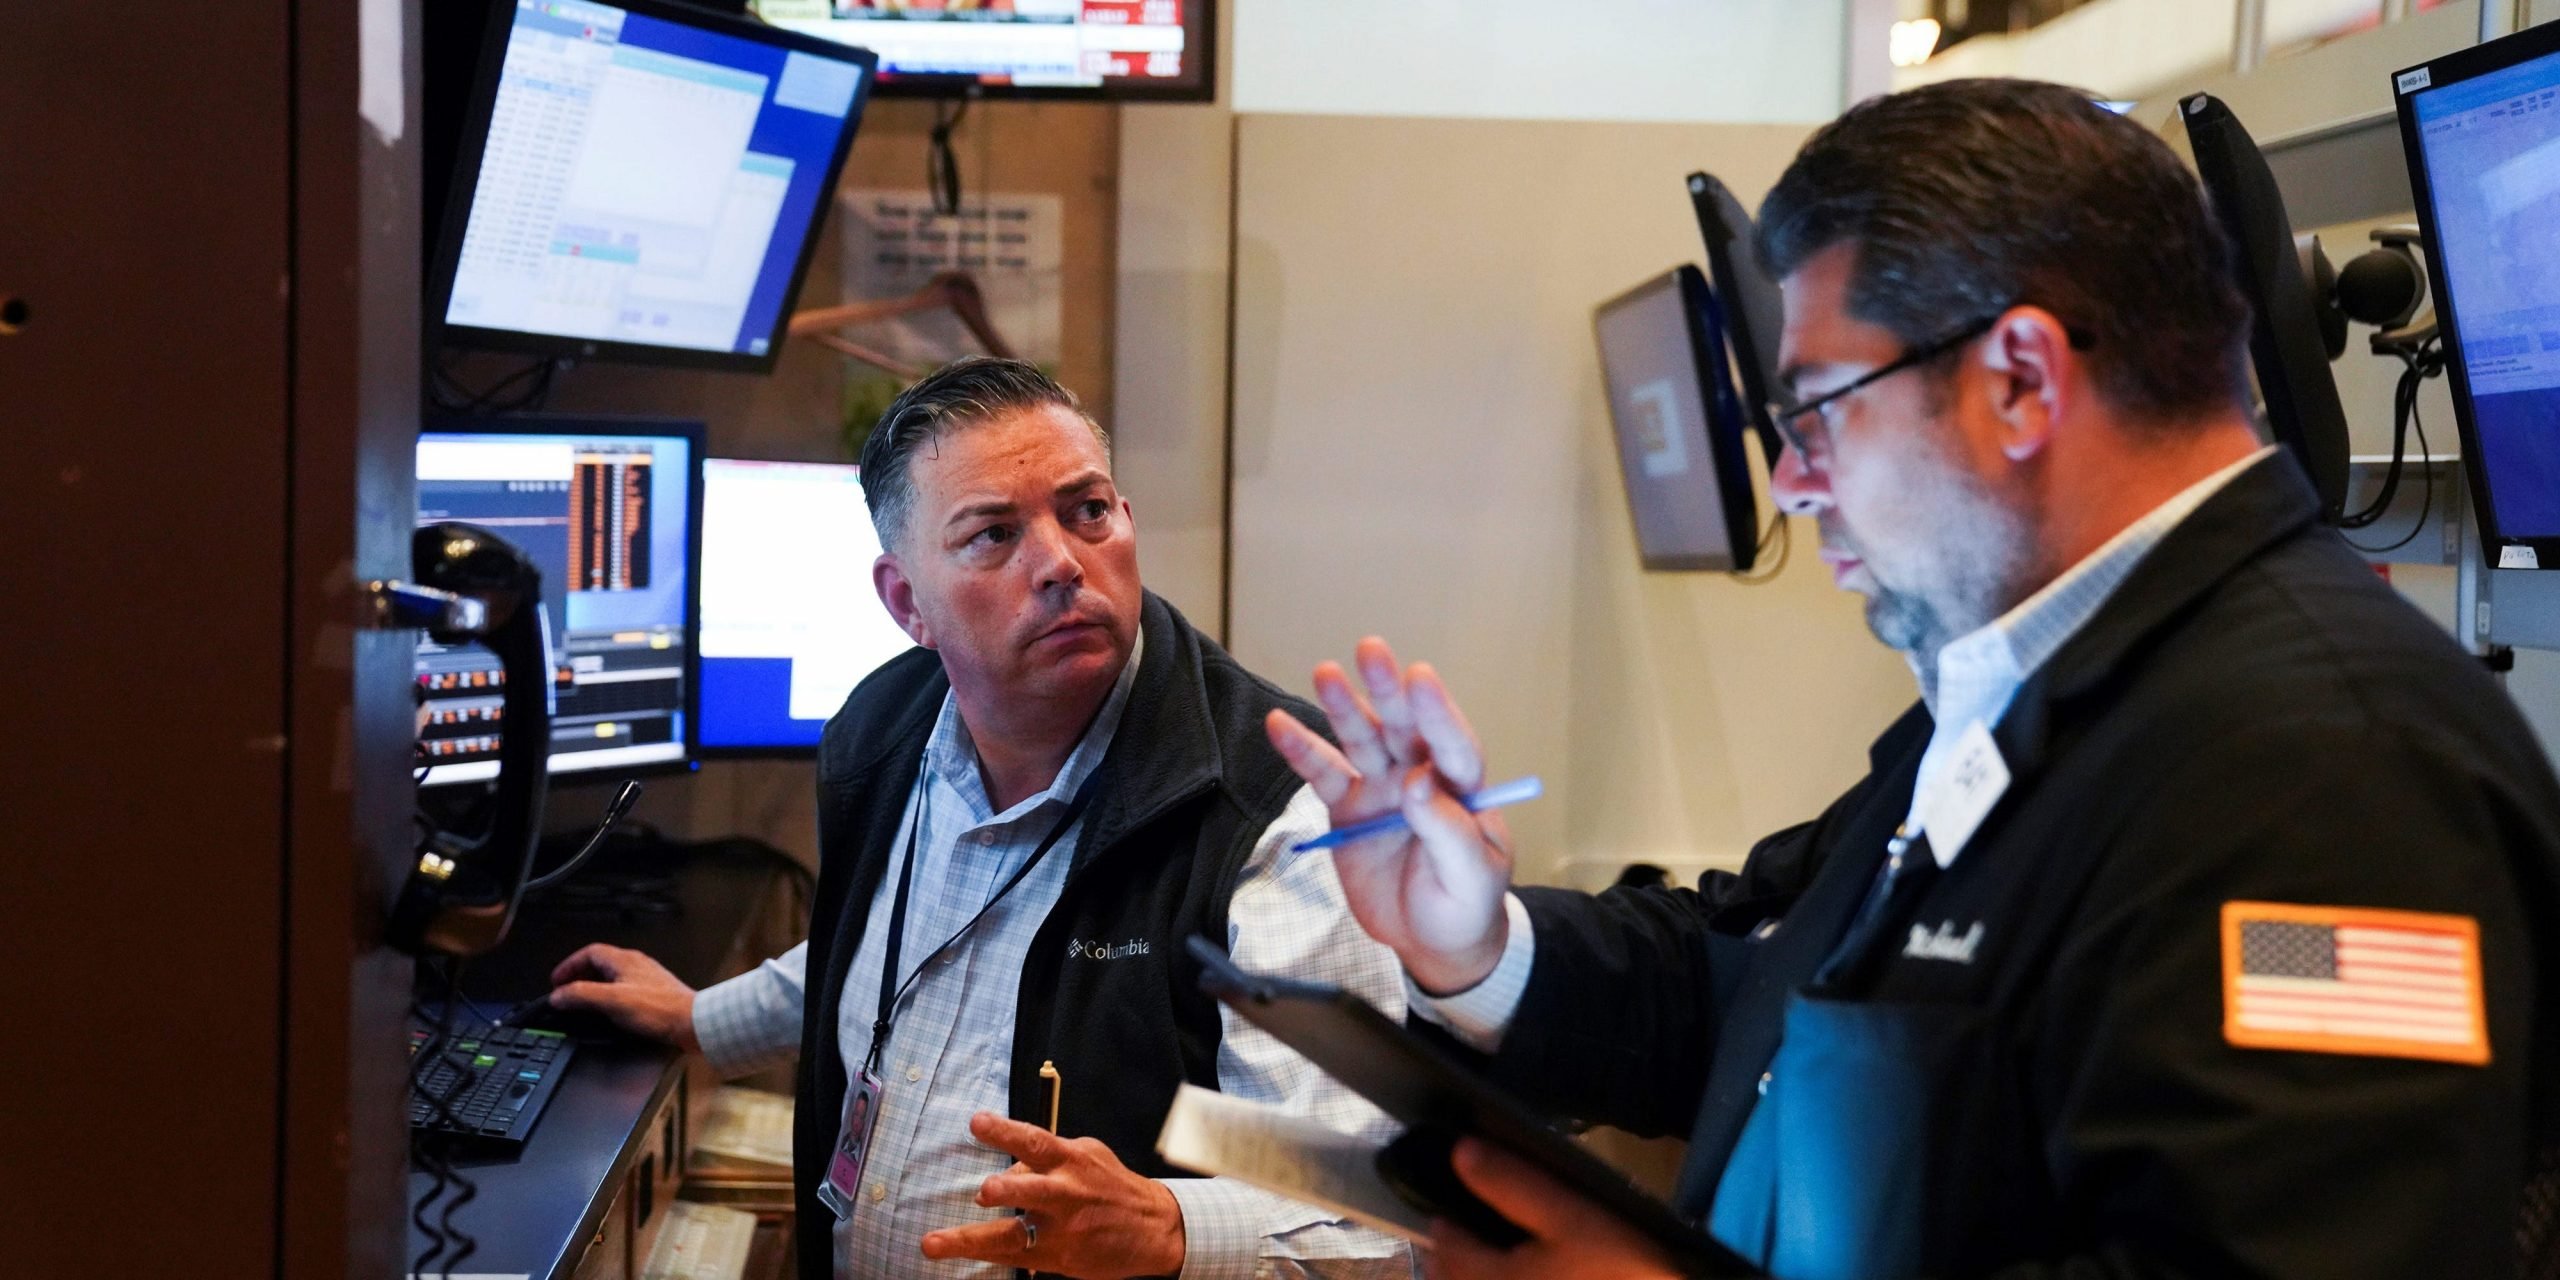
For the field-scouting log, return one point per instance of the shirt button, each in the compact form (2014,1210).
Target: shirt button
(1764,1083)
(914,1074)
(879,1192)
(986,837)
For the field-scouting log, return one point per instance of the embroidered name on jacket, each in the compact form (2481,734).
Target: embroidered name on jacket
(1943,942)
(1078,949)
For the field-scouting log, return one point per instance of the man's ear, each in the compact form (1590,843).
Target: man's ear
(898,594)
(2029,357)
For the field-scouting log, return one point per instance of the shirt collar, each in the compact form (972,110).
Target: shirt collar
(1987,664)
(951,758)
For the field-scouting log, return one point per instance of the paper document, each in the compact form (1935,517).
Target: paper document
(746,1124)
(701,1242)
(1252,1142)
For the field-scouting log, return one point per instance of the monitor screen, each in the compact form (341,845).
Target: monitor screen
(642,181)
(1025,48)
(2483,134)
(2288,351)
(605,507)
(1679,426)
(790,621)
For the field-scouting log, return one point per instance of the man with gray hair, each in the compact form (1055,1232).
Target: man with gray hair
(1020,821)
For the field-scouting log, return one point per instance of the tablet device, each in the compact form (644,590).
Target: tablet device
(1439,1099)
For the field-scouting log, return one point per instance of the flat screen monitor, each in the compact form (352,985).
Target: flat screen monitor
(790,621)
(1679,425)
(2482,132)
(1104,49)
(2288,351)
(606,507)
(641,181)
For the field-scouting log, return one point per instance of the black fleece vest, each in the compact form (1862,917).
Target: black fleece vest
(1187,787)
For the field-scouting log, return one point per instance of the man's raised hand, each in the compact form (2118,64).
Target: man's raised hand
(1432,893)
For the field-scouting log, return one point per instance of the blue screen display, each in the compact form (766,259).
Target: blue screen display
(790,619)
(2491,149)
(647,182)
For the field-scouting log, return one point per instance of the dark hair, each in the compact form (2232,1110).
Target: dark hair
(965,392)
(1970,196)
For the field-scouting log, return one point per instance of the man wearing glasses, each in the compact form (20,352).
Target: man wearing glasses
(2197,920)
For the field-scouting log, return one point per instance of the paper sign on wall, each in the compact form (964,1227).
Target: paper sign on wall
(894,243)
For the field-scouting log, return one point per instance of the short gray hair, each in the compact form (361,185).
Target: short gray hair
(966,392)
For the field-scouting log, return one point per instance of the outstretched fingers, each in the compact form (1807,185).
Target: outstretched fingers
(1354,724)
(1313,759)
(1455,750)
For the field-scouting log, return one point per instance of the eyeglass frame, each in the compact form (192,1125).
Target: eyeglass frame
(1783,417)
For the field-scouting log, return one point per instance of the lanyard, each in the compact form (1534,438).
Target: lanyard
(893,991)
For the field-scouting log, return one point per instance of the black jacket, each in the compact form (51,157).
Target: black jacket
(2253,715)
(1186,789)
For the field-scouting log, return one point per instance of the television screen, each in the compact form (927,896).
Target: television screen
(1023,48)
(790,621)
(2482,133)
(1679,426)
(641,181)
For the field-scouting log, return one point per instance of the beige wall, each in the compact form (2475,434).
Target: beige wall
(1421,450)
(1169,431)
(1761,61)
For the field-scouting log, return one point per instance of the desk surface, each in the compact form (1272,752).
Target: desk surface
(534,1214)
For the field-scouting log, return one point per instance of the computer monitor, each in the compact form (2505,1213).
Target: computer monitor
(1679,425)
(2482,132)
(790,622)
(606,507)
(640,181)
(1158,50)
(2288,349)
(1751,309)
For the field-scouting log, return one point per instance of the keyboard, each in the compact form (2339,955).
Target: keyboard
(495,1082)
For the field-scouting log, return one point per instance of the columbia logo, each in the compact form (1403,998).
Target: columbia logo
(1078,949)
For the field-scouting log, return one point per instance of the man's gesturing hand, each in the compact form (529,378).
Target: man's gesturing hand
(1569,1238)
(1433,893)
(1084,1213)
(636,992)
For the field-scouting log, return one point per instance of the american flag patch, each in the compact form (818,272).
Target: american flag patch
(2394,984)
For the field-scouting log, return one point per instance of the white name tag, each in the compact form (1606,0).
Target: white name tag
(1974,780)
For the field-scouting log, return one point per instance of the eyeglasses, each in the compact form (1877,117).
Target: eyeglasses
(1826,406)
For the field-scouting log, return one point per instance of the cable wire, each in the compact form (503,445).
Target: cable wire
(942,164)
(1783,532)
(2425,362)
(444,1242)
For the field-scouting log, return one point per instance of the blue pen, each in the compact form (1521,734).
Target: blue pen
(1493,797)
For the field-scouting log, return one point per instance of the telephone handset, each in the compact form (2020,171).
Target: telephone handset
(462,893)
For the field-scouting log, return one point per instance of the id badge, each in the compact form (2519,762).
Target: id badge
(840,1189)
